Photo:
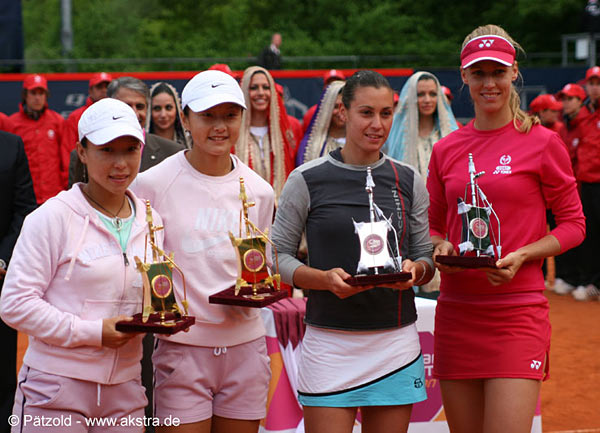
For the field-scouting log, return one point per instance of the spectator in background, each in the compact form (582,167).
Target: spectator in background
(572,97)
(270,57)
(164,117)
(266,141)
(18,200)
(588,176)
(329,77)
(422,117)
(328,130)
(41,129)
(134,93)
(548,109)
(96,91)
(568,269)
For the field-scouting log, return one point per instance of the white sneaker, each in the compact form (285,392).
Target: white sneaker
(562,287)
(586,293)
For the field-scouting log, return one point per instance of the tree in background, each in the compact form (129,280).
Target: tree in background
(426,32)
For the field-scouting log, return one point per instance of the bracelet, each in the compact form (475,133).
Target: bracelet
(422,275)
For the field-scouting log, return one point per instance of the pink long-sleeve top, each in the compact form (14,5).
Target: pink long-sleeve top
(525,174)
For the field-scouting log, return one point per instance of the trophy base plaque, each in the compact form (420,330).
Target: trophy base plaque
(246,297)
(170,325)
(470,262)
(378,279)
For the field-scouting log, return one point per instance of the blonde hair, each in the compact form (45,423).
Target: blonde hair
(521,120)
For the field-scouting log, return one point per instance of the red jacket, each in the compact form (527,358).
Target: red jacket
(42,146)
(571,135)
(588,149)
(4,123)
(69,138)
(557,127)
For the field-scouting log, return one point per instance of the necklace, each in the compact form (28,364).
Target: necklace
(116,220)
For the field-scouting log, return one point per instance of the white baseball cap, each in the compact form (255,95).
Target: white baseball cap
(210,88)
(108,119)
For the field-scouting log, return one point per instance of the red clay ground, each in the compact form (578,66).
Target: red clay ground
(571,398)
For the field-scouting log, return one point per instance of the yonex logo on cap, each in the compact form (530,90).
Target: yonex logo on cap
(487,47)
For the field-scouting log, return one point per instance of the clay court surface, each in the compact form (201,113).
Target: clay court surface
(571,398)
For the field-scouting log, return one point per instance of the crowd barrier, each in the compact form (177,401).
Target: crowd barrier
(68,91)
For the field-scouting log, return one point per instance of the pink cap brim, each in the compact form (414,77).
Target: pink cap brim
(497,56)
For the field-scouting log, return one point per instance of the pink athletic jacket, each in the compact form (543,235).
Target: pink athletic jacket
(67,273)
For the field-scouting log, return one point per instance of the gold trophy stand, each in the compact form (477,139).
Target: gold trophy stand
(255,287)
(160,314)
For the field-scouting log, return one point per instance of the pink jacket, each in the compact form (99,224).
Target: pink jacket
(67,273)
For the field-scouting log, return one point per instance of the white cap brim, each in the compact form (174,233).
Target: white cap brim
(198,105)
(104,135)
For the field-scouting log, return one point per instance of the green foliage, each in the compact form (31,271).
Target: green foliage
(423,33)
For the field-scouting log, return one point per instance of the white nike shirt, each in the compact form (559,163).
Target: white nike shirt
(198,212)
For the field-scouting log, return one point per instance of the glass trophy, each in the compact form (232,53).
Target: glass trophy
(160,312)
(255,285)
(480,244)
(379,263)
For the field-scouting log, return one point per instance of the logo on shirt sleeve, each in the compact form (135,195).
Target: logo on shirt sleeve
(504,167)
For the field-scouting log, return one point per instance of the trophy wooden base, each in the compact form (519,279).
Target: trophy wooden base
(246,298)
(172,324)
(379,279)
(470,262)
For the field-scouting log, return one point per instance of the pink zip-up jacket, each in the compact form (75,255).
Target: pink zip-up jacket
(67,273)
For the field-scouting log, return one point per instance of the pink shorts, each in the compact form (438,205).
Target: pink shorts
(49,403)
(194,383)
(474,341)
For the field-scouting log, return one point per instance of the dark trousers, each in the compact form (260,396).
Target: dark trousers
(590,199)
(568,264)
(148,376)
(8,377)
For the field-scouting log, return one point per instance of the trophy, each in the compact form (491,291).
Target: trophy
(160,313)
(255,286)
(479,247)
(377,264)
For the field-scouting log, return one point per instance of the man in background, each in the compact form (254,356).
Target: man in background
(40,128)
(18,200)
(135,93)
(270,57)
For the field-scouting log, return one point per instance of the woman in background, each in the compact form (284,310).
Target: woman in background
(164,117)
(327,130)
(266,142)
(422,117)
